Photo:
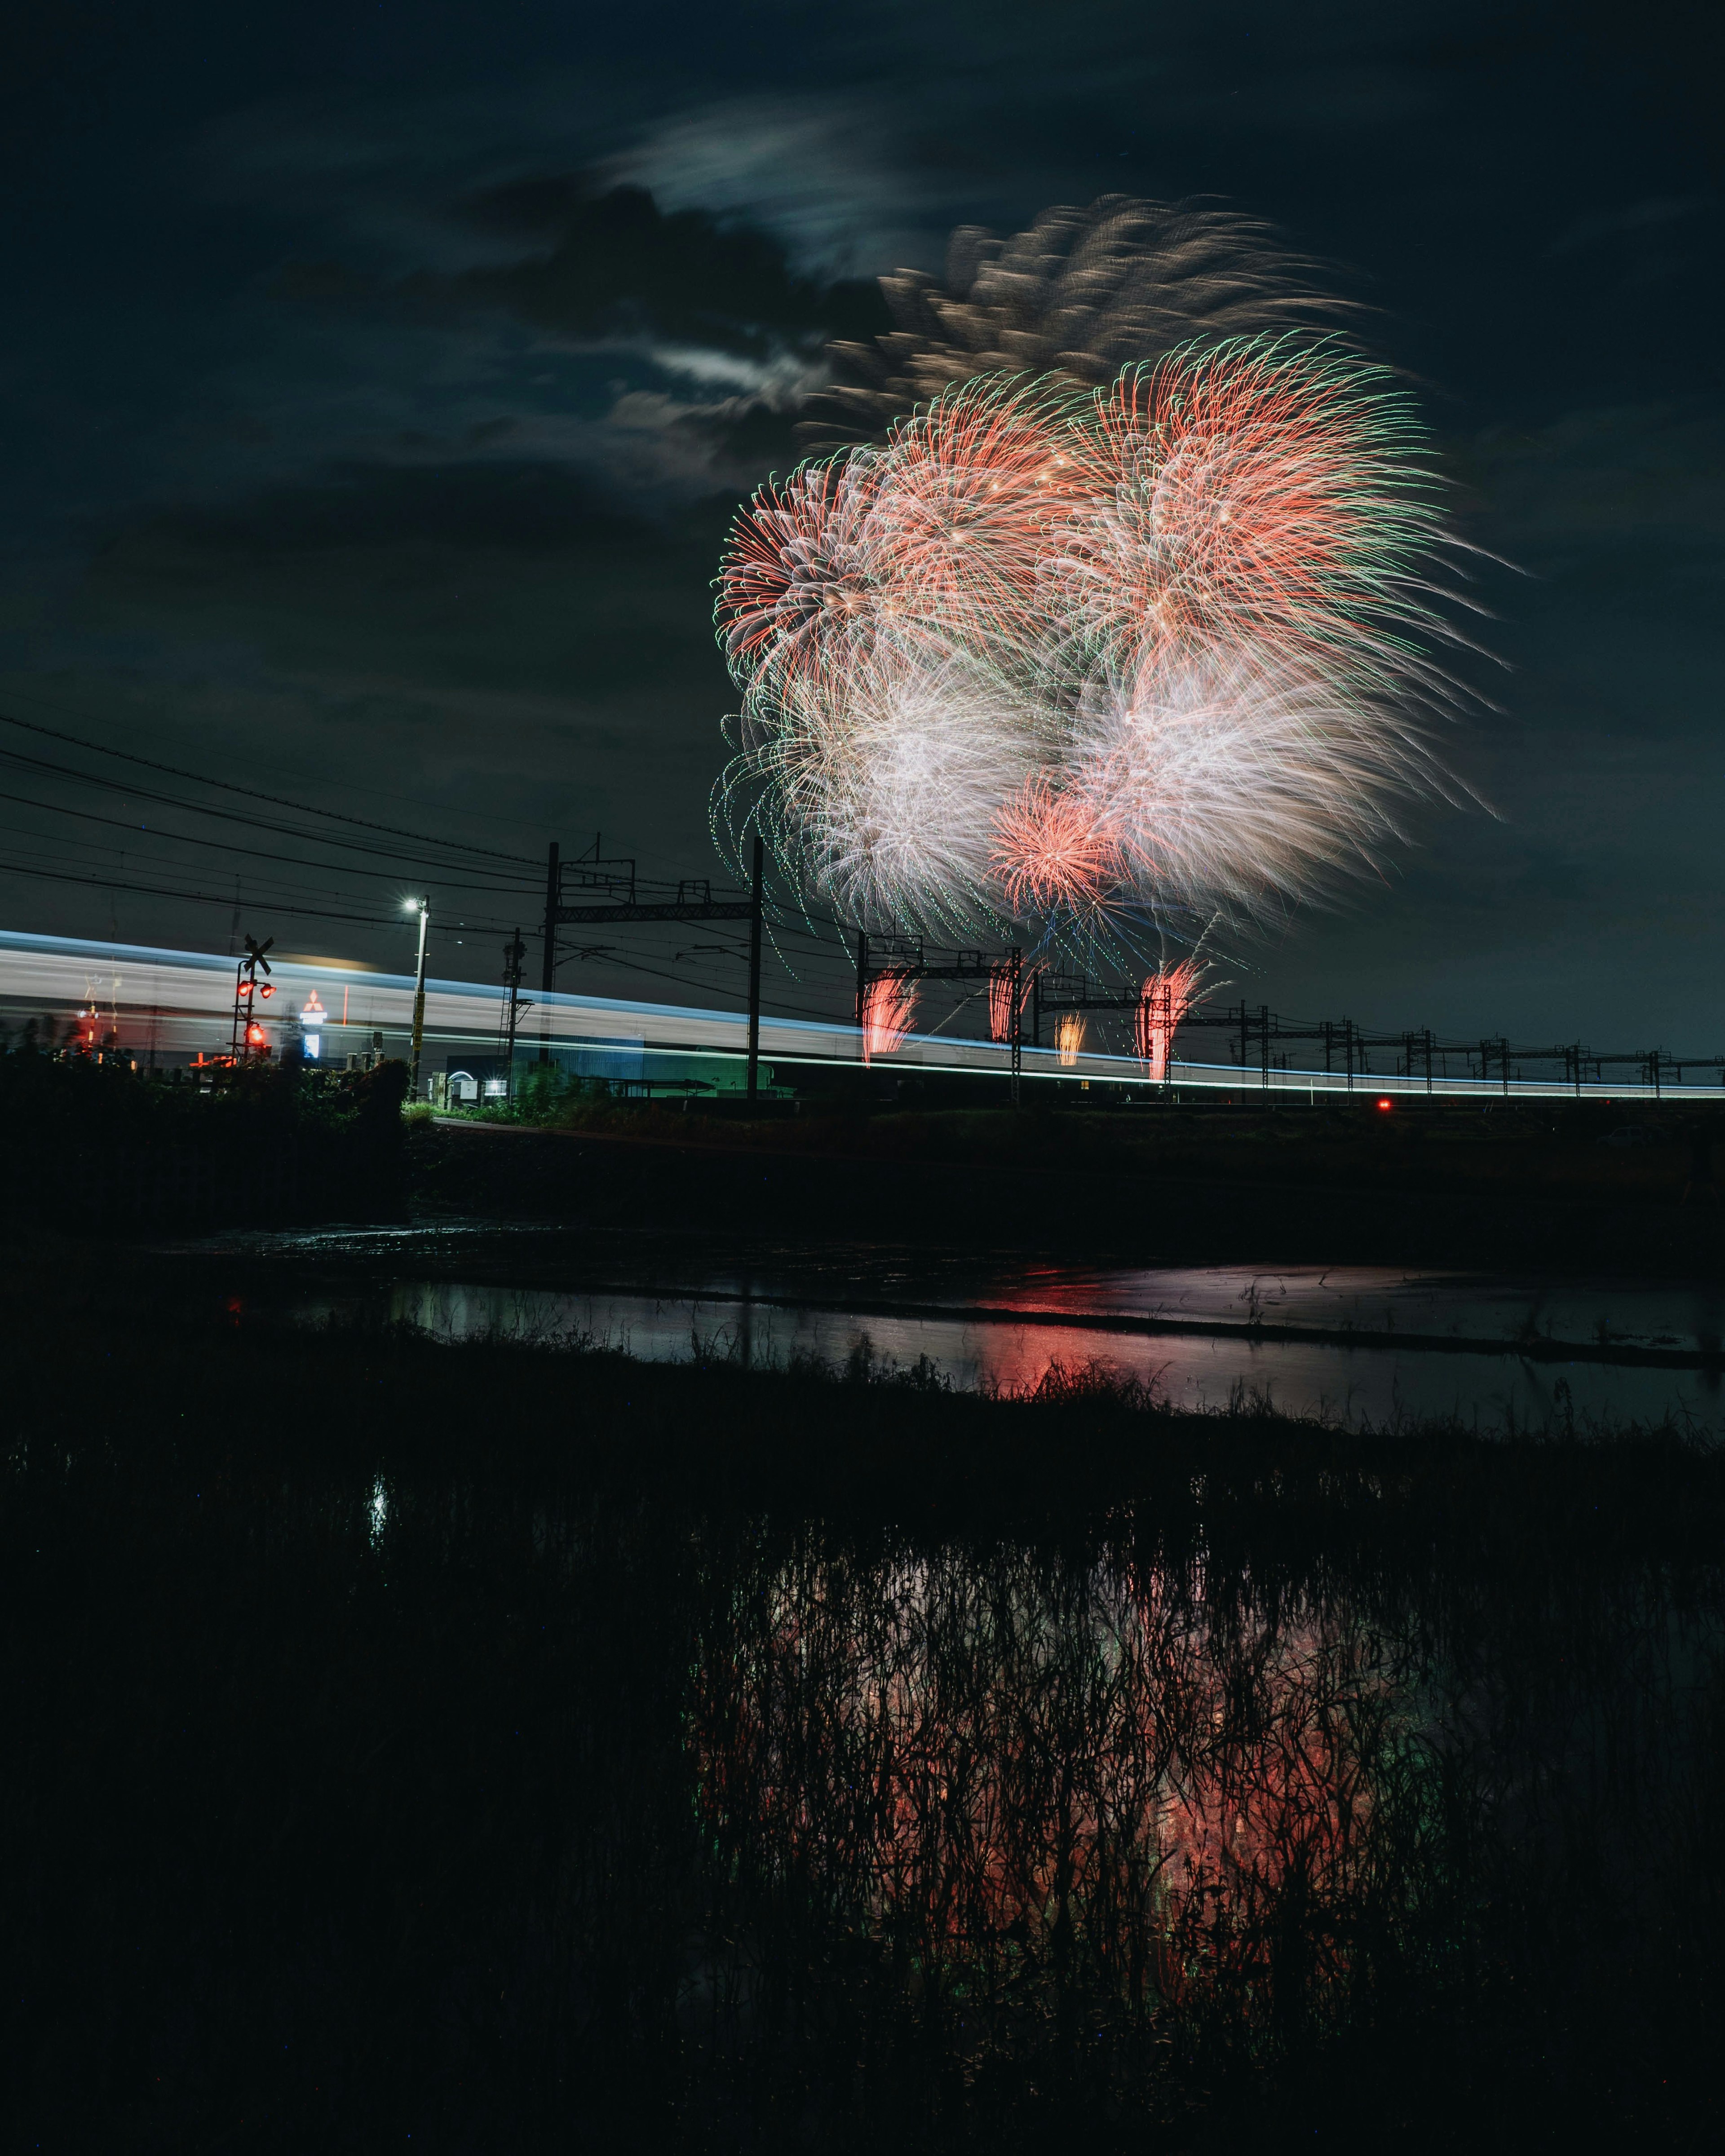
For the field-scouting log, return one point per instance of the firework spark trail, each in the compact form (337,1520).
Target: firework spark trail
(1166,998)
(888,1011)
(887,780)
(1069,1038)
(1267,489)
(1052,852)
(1004,1007)
(969,488)
(1156,652)
(797,580)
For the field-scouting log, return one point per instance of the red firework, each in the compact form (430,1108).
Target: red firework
(888,1007)
(1167,997)
(796,574)
(1262,480)
(1001,1006)
(968,490)
(1049,851)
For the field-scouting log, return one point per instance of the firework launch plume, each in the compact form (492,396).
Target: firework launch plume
(889,1012)
(1154,652)
(1164,1000)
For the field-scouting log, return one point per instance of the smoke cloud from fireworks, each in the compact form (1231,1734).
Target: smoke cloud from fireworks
(1154,651)
(1080,295)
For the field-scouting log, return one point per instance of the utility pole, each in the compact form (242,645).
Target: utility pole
(424,906)
(755,883)
(547,972)
(862,986)
(514,952)
(1018,1021)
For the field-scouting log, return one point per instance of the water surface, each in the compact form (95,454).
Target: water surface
(1360,1344)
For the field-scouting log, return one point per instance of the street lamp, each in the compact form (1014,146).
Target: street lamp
(424,909)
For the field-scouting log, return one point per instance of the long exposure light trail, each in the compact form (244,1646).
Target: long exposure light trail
(170,1006)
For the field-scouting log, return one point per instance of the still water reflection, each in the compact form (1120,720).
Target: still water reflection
(1128,1820)
(1375,1382)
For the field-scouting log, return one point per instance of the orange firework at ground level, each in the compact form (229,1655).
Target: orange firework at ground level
(1005,997)
(1167,997)
(889,1007)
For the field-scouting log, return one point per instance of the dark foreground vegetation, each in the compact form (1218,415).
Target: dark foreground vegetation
(1423,1184)
(95,1146)
(527,1751)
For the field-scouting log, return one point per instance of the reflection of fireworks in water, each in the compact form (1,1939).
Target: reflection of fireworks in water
(889,1009)
(965,1764)
(1150,652)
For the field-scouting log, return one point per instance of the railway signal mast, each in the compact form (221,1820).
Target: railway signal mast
(248,1040)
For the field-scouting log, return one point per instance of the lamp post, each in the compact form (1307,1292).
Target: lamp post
(425,907)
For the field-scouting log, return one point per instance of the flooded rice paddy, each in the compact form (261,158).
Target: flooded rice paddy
(1358,1345)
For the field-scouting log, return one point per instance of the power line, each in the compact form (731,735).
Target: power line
(354,785)
(253,793)
(197,897)
(16,756)
(221,846)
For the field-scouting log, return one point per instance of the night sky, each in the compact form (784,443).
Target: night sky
(381,380)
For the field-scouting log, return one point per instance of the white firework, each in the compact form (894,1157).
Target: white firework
(891,776)
(1228,777)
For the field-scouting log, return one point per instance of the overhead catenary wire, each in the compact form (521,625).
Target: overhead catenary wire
(257,793)
(364,837)
(17,692)
(131,791)
(221,846)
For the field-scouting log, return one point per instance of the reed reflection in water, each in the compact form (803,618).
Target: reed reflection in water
(1103,1832)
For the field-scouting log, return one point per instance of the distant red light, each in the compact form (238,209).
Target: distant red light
(1386,1105)
(256,1035)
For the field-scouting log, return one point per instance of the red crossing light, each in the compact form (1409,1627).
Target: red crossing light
(1386,1105)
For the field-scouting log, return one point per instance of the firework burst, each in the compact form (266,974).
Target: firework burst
(1081,294)
(1156,653)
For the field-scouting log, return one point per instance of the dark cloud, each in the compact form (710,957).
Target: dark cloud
(488,583)
(607,264)
(613,263)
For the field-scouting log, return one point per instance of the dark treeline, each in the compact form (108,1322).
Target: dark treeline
(528,1752)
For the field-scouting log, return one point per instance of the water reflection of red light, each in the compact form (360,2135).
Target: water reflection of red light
(964,1770)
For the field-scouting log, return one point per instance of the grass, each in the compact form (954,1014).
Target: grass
(1440,1147)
